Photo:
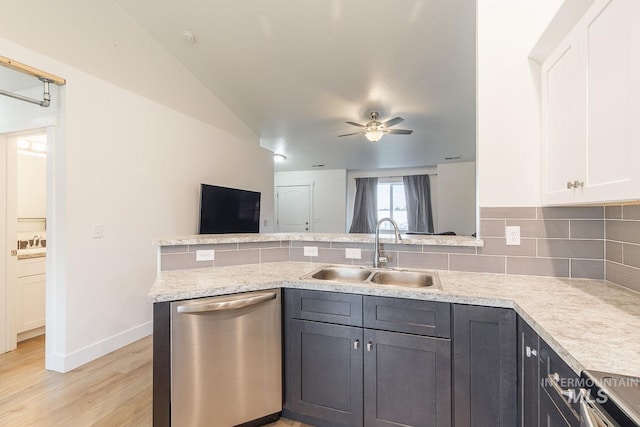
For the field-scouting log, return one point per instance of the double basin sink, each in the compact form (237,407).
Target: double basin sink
(406,278)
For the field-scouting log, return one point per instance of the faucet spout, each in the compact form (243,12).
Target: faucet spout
(377,259)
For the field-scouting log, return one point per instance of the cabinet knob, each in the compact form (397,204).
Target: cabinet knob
(356,344)
(369,346)
(569,185)
(577,184)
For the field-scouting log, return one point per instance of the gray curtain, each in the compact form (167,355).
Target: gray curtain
(365,210)
(417,191)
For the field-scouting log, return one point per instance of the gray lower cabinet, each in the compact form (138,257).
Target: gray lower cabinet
(407,380)
(324,372)
(484,366)
(345,375)
(528,383)
(550,415)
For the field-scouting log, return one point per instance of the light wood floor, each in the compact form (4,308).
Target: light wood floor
(114,390)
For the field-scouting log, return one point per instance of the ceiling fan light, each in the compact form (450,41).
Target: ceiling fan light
(374,135)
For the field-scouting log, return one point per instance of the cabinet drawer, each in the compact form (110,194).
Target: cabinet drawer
(557,377)
(31,267)
(328,307)
(405,315)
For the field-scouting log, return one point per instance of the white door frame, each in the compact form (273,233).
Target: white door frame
(8,228)
(9,225)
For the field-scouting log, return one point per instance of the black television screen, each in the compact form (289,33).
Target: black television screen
(228,210)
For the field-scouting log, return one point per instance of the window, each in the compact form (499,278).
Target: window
(392,204)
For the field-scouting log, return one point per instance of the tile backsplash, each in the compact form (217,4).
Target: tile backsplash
(591,242)
(622,245)
(555,241)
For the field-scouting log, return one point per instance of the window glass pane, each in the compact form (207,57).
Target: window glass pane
(399,207)
(384,201)
(392,204)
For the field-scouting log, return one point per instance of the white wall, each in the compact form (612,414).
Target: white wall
(456,188)
(32,186)
(98,37)
(329,196)
(122,160)
(508,100)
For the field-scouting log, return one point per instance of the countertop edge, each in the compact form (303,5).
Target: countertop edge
(407,239)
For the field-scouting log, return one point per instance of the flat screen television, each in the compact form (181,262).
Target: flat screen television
(228,210)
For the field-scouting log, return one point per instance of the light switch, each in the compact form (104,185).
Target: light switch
(96,231)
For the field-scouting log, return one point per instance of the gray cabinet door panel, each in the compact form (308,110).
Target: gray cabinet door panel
(411,316)
(407,380)
(325,371)
(329,307)
(528,384)
(550,415)
(484,366)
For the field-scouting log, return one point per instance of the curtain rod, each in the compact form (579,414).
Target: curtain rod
(400,176)
(46,96)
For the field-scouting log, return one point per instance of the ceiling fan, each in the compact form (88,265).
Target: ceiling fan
(374,130)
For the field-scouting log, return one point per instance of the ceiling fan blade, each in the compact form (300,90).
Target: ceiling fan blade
(399,131)
(349,134)
(392,122)
(356,124)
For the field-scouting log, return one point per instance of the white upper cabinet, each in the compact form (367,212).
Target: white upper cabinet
(591,109)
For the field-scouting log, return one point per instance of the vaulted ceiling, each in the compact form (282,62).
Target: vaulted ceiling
(296,70)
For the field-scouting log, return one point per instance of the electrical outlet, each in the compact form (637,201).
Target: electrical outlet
(205,255)
(353,253)
(512,234)
(310,251)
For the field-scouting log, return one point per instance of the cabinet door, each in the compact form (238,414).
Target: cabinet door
(31,302)
(611,39)
(324,371)
(484,366)
(407,380)
(563,121)
(527,374)
(550,415)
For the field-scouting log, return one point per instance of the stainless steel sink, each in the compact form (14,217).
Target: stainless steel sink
(406,278)
(413,279)
(341,274)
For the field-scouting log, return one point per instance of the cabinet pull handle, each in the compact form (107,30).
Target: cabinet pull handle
(369,346)
(569,393)
(531,352)
(356,344)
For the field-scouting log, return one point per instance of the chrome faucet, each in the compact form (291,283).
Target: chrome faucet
(377,259)
(36,240)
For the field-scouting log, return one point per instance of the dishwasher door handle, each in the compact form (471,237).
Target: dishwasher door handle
(226,305)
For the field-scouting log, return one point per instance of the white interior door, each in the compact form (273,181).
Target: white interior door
(8,233)
(293,209)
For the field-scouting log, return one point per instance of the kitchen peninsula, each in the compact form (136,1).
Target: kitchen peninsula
(590,324)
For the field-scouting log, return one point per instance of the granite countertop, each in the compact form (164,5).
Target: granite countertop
(407,239)
(32,253)
(593,325)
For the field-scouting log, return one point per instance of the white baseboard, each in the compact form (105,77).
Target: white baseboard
(23,336)
(67,362)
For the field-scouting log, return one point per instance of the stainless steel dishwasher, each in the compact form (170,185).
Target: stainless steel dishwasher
(226,367)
